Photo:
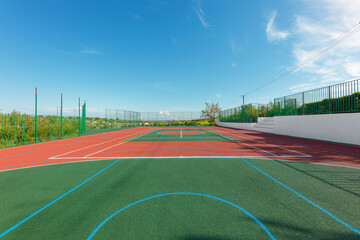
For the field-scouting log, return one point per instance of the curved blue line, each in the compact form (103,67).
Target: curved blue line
(56,200)
(181,193)
(312,203)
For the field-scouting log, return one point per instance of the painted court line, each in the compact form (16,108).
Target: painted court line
(95,145)
(200,158)
(117,144)
(170,157)
(274,155)
(291,150)
(309,145)
(312,203)
(182,193)
(56,200)
(47,148)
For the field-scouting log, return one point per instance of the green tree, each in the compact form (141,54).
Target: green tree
(211,111)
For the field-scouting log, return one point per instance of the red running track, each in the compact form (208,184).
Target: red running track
(114,145)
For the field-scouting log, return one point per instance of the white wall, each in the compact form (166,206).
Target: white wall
(343,128)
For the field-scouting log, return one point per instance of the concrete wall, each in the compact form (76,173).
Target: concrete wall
(342,128)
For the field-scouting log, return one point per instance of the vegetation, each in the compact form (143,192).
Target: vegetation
(350,103)
(251,112)
(211,112)
(17,128)
(248,113)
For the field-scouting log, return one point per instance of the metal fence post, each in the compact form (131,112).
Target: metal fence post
(61,118)
(329,99)
(303,103)
(79,119)
(36,120)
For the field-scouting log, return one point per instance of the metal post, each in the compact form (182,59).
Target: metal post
(303,103)
(79,119)
(251,112)
(36,120)
(329,99)
(84,117)
(61,117)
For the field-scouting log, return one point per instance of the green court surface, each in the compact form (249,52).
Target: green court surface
(243,183)
(184,135)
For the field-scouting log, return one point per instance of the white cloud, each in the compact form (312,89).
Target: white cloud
(201,14)
(235,48)
(84,51)
(165,112)
(272,33)
(317,25)
(353,68)
(233,65)
(89,51)
(136,17)
(218,95)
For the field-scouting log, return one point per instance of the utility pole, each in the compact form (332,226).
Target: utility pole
(243,99)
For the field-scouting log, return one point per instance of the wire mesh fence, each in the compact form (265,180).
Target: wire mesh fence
(18,129)
(339,98)
(121,118)
(248,113)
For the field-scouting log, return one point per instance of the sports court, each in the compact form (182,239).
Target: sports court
(180,183)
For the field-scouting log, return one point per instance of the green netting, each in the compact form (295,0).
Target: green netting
(123,118)
(339,98)
(248,113)
(18,129)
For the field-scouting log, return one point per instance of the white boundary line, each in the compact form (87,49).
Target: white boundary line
(117,144)
(122,157)
(306,155)
(274,155)
(55,157)
(225,158)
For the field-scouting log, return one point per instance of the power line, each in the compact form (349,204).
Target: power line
(313,56)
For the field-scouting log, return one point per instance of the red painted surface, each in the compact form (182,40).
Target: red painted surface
(320,151)
(113,145)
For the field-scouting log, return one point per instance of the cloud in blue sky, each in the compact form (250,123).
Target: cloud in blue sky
(272,33)
(201,14)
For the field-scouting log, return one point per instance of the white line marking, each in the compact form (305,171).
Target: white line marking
(306,155)
(122,157)
(245,144)
(94,160)
(117,144)
(54,157)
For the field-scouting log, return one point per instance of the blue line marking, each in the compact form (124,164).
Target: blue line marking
(62,196)
(312,203)
(181,193)
(56,200)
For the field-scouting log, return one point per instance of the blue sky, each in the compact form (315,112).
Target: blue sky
(156,55)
